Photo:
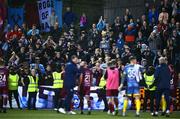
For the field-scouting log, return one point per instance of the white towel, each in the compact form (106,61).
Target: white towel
(138,72)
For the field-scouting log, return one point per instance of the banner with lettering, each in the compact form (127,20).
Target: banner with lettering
(45,8)
(46,94)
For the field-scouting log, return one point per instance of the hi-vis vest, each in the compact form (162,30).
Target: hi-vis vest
(102,82)
(33,86)
(58,82)
(13,82)
(149,80)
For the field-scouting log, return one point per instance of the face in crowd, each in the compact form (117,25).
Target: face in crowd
(33,72)
(75,59)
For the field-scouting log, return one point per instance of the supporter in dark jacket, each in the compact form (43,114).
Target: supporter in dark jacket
(69,17)
(56,33)
(163,77)
(70,76)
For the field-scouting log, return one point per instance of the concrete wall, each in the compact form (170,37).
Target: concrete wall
(109,8)
(114,8)
(92,8)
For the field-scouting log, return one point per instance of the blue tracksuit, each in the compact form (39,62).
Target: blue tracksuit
(71,72)
(70,76)
(163,77)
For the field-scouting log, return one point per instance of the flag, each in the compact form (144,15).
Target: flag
(45,8)
(15,16)
(58,10)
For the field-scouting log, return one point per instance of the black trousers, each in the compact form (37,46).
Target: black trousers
(56,98)
(166,93)
(24,91)
(81,97)
(102,97)
(68,98)
(81,101)
(32,98)
(16,95)
(149,95)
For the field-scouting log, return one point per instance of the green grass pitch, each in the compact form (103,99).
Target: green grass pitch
(49,114)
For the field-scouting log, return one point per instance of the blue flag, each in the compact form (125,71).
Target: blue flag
(58,5)
(15,16)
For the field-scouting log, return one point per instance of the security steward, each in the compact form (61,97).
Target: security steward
(102,93)
(150,88)
(32,83)
(13,81)
(57,86)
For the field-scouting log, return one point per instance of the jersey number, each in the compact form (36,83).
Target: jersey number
(87,77)
(131,73)
(2,78)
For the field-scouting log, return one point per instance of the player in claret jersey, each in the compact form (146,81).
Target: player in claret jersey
(3,87)
(84,86)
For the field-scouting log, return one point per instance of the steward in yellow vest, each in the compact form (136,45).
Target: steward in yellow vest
(58,82)
(33,83)
(101,83)
(57,86)
(13,80)
(33,79)
(150,88)
(149,80)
